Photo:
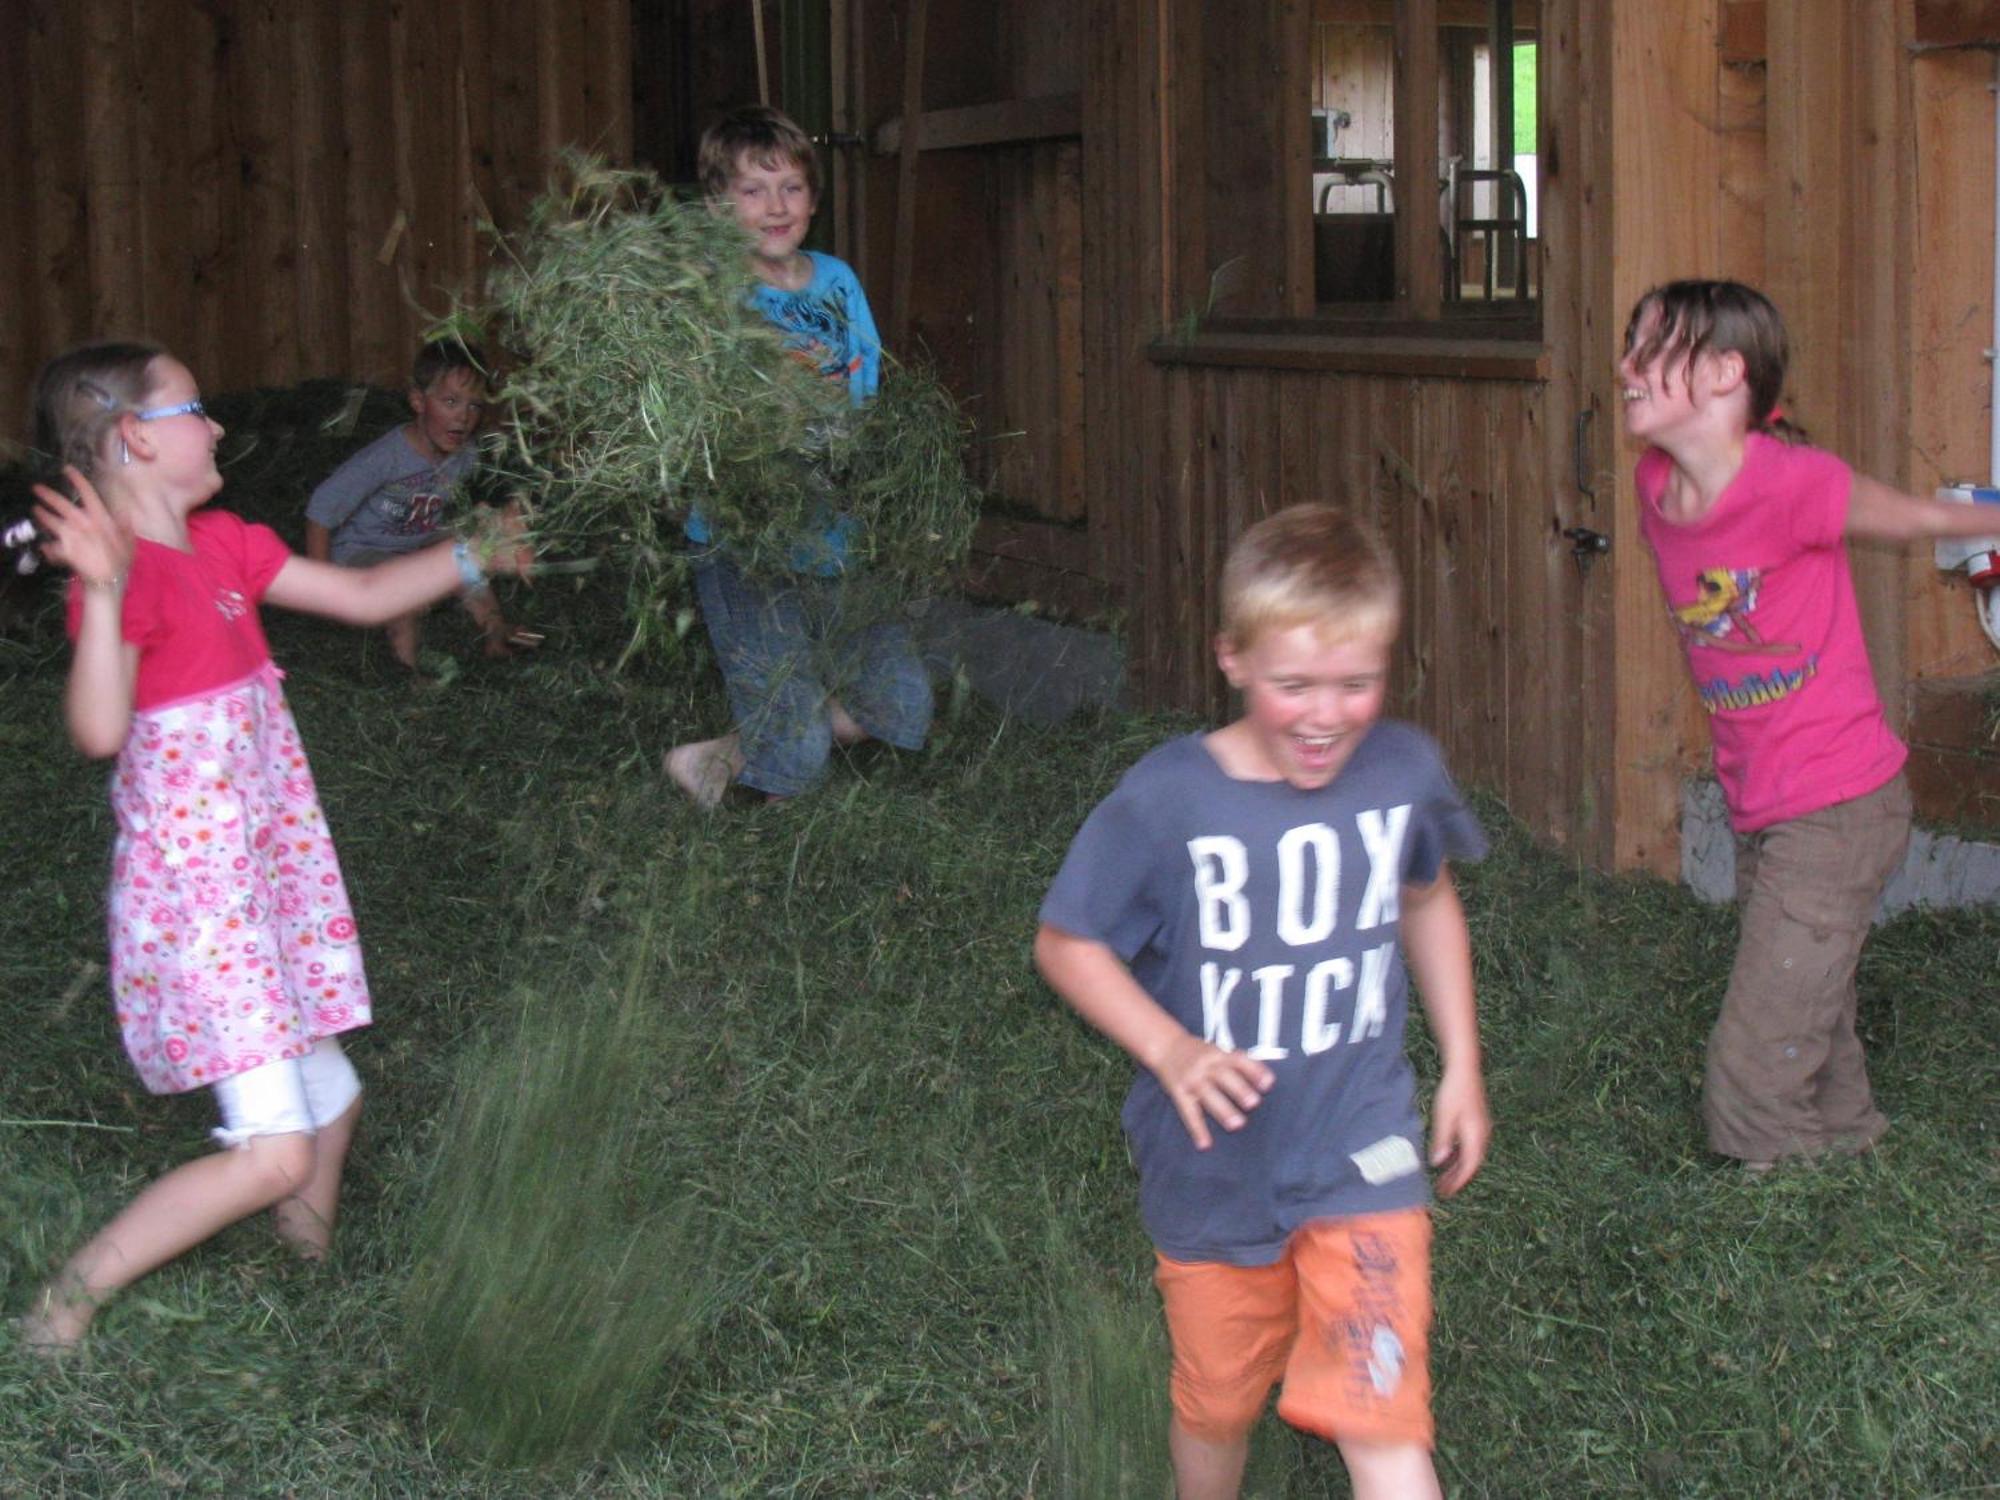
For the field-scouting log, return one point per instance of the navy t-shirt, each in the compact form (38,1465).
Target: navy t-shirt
(1264,918)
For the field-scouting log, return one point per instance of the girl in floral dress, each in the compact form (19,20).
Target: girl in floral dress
(234,964)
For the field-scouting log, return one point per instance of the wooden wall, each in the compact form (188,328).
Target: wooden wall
(996,298)
(278,190)
(1470,475)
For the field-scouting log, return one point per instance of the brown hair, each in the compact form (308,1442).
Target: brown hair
(769,137)
(1721,317)
(1309,565)
(79,397)
(441,356)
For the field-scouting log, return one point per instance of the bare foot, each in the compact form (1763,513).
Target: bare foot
(703,770)
(302,1231)
(58,1323)
(845,730)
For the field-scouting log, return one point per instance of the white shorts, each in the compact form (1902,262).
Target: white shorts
(300,1095)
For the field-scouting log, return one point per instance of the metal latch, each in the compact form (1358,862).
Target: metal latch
(1586,546)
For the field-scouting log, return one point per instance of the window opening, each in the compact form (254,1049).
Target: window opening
(1478,193)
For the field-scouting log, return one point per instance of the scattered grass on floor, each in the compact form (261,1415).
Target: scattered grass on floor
(849,1071)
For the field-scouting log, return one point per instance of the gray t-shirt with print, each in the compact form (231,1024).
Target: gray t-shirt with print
(1264,918)
(389,497)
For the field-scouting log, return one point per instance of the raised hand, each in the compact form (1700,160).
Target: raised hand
(82,534)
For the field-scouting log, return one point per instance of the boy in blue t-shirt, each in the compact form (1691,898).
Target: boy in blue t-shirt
(1232,915)
(390,497)
(773,641)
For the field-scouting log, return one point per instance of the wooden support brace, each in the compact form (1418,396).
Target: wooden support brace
(906,172)
(1006,123)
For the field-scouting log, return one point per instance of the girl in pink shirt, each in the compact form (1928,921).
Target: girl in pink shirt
(233,956)
(1749,527)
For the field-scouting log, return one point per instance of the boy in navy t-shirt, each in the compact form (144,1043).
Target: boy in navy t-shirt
(1236,915)
(389,498)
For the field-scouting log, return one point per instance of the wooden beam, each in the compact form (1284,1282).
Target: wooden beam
(1957,23)
(906,173)
(1006,123)
(1473,15)
(1419,257)
(1939,24)
(1740,37)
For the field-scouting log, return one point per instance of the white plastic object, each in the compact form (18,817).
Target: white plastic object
(1977,555)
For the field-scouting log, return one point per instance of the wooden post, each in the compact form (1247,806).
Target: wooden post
(906,171)
(1419,258)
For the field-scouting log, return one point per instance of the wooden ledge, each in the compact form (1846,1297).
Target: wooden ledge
(1444,358)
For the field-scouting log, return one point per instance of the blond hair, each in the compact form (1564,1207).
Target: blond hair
(769,137)
(1309,565)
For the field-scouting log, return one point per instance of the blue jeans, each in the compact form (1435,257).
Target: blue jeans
(784,650)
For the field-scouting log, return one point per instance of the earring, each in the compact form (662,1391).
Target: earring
(124,453)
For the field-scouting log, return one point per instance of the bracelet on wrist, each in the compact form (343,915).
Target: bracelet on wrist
(470,574)
(115,584)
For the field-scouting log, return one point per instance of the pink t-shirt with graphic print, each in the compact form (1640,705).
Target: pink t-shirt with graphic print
(1760,592)
(193,614)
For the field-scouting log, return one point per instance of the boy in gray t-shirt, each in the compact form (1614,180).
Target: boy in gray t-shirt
(1235,915)
(389,498)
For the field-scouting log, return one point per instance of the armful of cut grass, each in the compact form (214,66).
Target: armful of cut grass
(641,372)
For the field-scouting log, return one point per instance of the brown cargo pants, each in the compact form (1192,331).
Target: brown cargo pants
(1785,1071)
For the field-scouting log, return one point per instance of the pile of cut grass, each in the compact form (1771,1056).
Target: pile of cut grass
(643,385)
(857,1079)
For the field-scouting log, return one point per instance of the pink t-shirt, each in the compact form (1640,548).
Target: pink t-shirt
(1761,595)
(193,614)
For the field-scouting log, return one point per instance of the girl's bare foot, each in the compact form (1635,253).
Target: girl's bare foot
(60,1319)
(704,769)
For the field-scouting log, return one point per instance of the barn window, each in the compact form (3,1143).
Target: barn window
(1471,187)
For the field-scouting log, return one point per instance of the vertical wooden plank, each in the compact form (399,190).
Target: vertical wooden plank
(1744,170)
(60,285)
(257,108)
(169,48)
(559,83)
(1875,300)
(1548,787)
(1808,130)
(23,343)
(1418,265)
(377,225)
(321,290)
(1291,83)
(1070,497)
(1951,322)
(428,196)
(1539,643)
(1664,115)
(472,82)
(519,167)
(1256,211)
(1183,224)
(607,102)
(213,196)
(106,117)
(915,14)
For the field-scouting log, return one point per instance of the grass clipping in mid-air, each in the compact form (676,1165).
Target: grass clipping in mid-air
(644,384)
(557,1279)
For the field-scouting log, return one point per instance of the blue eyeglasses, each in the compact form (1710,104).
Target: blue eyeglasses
(160,413)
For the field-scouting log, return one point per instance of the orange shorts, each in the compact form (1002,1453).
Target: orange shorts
(1343,1319)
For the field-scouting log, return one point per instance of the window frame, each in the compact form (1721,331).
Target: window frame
(1280,323)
